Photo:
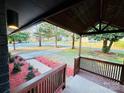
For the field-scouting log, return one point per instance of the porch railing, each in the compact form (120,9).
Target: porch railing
(106,69)
(49,82)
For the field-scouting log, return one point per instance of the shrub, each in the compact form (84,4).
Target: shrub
(17,68)
(30,67)
(11,58)
(21,64)
(21,59)
(30,75)
(16,57)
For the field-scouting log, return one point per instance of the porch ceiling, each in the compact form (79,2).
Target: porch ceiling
(74,15)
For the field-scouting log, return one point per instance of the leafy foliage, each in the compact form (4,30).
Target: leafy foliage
(17,68)
(20,36)
(11,58)
(46,30)
(30,75)
(113,37)
(30,67)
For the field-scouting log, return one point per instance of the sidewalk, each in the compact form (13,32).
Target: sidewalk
(37,65)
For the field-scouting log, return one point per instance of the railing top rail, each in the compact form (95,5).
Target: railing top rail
(102,61)
(41,77)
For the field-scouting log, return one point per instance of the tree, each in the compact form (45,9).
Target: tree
(18,37)
(43,30)
(108,39)
(58,33)
(48,30)
(73,41)
(22,36)
(39,34)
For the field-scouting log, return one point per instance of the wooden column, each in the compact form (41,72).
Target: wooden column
(76,65)
(77,60)
(80,46)
(122,75)
(4,70)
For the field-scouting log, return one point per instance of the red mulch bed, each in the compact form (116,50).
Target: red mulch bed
(54,64)
(18,78)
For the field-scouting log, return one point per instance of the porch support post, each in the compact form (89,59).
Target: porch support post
(80,46)
(77,60)
(122,75)
(4,69)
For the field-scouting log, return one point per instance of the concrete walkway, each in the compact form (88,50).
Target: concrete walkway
(79,84)
(40,53)
(38,65)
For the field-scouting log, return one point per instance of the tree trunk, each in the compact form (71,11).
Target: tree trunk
(56,41)
(105,47)
(110,45)
(4,69)
(105,41)
(14,45)
(73,41)
(39,41)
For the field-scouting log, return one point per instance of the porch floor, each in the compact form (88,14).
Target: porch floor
(86,82)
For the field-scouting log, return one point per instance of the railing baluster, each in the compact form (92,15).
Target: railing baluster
(42,87)
(39,88)
(47,83)
(113,72)
(119,73)
(109,70)
(103,68)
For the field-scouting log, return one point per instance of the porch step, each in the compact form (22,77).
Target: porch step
(81,85)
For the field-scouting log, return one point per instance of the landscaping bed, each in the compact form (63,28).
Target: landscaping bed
(17,77)
(54,64)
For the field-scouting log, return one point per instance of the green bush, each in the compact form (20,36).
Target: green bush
(30,67)
(11,58)
(17,68)
(30,75)
(21,64)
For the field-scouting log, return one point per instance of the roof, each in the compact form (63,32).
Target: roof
(74,15)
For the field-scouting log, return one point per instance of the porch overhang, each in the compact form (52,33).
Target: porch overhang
(77,16)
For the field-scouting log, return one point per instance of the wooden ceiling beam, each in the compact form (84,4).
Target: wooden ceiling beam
(59,8)
(105,26)
(95,28)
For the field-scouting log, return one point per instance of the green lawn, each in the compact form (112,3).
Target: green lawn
(91,53)
(67,56)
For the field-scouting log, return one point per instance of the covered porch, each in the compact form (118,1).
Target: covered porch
(96,77)
(77,16)
(103,73)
